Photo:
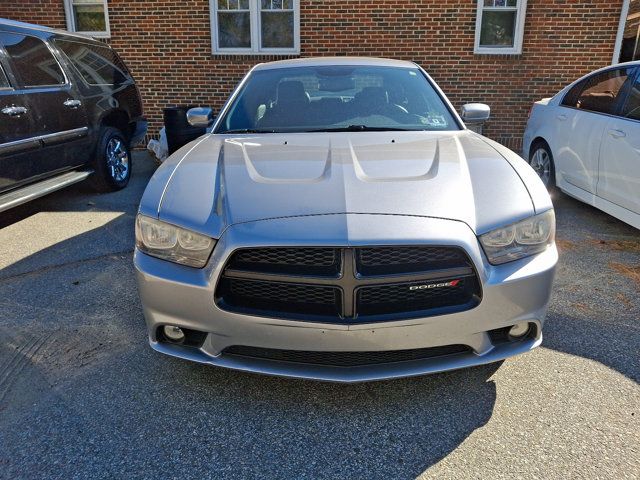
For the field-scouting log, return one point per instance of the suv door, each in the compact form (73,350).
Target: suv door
(17,140)
(619,180)
(580,123)
(56,113)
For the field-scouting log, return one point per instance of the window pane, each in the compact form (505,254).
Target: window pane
(277,4)
(632,108)
(600,92)
(89,18)
(631,40)
(277,29)
(234,30)
(97,65)
(498,28)
(4,83)
(33,62)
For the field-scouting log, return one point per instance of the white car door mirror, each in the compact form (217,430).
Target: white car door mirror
(475,113)
(200,117)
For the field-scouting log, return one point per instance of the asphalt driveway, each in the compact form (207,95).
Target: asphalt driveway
(83,396)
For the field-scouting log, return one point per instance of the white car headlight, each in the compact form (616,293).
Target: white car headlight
(521,239)
(175,244)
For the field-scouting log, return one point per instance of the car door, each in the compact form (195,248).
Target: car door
(17,140)
(56,113)
(580,122)
(619,179)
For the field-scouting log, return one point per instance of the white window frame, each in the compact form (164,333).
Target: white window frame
(256,30)
(518,34)
(71,24)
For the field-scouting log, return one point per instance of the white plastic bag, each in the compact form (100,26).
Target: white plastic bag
(159,148)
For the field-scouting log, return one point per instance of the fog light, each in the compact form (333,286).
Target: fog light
(173,333)
(519,330)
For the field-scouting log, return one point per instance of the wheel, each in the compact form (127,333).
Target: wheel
(112,161)
(541,160)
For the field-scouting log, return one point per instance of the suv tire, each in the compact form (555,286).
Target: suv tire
(112,162)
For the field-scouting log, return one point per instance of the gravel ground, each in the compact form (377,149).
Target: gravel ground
(83,396)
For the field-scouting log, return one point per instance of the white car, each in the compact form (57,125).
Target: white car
(586,140)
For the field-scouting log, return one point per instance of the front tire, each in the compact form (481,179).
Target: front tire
(541,160)
(112,161)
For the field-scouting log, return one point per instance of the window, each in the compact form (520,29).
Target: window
(4,81)
(337,98)
(32,61)
(500,26)
(627,46)
(598,93)
(90,17)
(98,65)
(632,108)
(255,26)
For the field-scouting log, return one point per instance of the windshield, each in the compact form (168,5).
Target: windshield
(336,98)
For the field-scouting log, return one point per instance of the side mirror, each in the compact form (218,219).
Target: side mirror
(200,117)
(475,113)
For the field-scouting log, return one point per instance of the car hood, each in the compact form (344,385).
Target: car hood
(223,180)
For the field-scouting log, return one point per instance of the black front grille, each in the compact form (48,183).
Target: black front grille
(392,260)
(290,261)
(289,299)
(348,285)
(413,297)
(343,359)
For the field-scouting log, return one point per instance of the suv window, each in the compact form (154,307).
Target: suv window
(4,82)
(98,65)
(632,108)
(32,61)
(598,93)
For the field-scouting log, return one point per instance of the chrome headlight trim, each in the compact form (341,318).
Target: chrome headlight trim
(521,239)
(174,244)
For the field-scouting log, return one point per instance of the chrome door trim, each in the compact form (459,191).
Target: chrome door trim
(42,140)
(53,138)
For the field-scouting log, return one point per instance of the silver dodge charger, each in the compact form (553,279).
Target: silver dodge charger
(340,222)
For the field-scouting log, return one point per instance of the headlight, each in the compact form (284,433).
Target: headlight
(521,239)
(175,244)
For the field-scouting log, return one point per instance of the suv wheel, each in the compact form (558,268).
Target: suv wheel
(541,161)
(112,162)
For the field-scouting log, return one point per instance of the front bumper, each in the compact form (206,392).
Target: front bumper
(183,296)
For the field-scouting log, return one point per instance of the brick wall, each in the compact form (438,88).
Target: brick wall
(167,45)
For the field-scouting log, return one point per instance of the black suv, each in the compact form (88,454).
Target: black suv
(69,109)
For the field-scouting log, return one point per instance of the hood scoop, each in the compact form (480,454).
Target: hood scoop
(396,161)
(284,161)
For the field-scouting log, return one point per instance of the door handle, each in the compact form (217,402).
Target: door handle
(562,117)
(71,103)
(14,111)
(617,133)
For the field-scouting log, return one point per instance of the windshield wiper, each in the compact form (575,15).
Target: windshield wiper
(247,130)
(363,128)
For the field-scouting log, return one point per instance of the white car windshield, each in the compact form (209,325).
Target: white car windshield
(336,98)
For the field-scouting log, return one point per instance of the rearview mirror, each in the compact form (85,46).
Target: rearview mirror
(200,117)
(475,113)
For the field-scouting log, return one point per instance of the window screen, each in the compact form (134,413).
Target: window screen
(32,61)
(98,65)
(598,93)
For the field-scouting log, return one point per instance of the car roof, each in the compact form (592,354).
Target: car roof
(327,61)
(41,28)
